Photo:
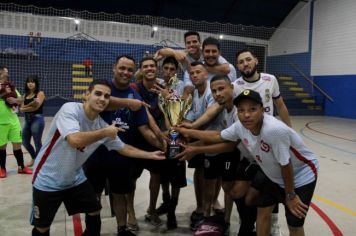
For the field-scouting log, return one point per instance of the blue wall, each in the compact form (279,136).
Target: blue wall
(280,65)
(342,89)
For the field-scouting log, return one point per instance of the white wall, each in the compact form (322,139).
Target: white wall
(292,36)
(106,31)
(334,38)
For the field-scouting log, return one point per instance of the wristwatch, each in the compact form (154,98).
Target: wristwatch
(290,196)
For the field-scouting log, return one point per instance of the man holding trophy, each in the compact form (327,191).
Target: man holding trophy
(174,108)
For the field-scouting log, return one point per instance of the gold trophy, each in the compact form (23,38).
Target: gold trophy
(174,109)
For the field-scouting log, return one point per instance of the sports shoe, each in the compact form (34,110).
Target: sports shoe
(24,170)
(133,227)
(31,162)
(123,231)
(153,219)
(226,229)
(196,216)
(162,209)
(2,173)
(275,229)
(195,225)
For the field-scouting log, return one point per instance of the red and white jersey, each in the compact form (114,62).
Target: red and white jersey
(276,146)
(266,85)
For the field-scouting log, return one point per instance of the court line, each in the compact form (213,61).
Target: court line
(333,204)
(324,144)
(320,132)
(334,229)
(77,225)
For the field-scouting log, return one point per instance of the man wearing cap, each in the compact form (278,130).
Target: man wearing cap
(290,169)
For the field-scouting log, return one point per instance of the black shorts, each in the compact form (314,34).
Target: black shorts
(154,166)
(272,194)
(104,165)
(174,172)
(223,165)
(247,170)
(79,199)
(197,161)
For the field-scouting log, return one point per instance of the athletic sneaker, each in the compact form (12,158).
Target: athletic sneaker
(195,224)
(275,229)
(153,219)
(2,173)
(24,170)
(196,216)
(123,231)
(162,209)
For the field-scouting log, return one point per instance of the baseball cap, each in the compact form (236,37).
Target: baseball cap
(248,94)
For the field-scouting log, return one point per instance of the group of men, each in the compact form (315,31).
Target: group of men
(233,141)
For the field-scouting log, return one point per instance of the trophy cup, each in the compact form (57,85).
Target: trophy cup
(174,109)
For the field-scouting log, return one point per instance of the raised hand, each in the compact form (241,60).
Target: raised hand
(111,131)
(135,104)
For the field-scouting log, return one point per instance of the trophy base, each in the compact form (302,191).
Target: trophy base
(173,150)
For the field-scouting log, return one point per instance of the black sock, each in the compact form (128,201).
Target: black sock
(35,232)
(93,225)
(19,158)
(173,205)
(3,159)
(276,209)
(166,197)
(248,215)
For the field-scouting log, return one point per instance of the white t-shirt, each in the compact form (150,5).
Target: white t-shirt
(266,85)
(276,145)
(58,166)
(200,104)
(232,76)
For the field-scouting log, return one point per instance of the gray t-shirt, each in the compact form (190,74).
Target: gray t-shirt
(58,166)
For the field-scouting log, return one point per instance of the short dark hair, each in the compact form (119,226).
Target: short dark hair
(197,63)
(246,50)
(190,33)
(100,82)
(147,59)
(35,79)
(220,77)
(170,60)
(211,41)
(124,56)
(3,67)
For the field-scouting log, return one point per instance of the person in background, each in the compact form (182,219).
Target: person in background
(32,107)
(10,129)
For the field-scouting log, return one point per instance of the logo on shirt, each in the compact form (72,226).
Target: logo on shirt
(36,212)
(206,163)
(266,78)
(245,141)
(265,147)
(121,124)
(267,95)
(239,82)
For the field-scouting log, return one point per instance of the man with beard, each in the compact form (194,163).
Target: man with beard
(265,84)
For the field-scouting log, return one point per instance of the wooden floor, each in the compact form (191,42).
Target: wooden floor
(333,209)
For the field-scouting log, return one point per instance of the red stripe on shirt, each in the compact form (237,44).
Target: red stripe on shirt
(46,154)
(305,160)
